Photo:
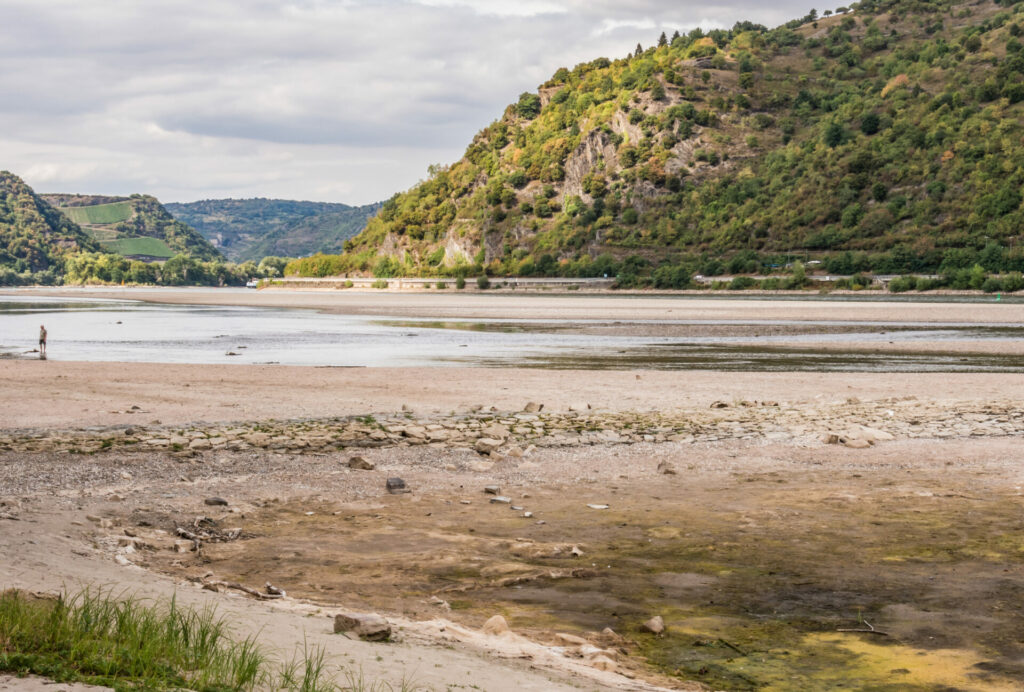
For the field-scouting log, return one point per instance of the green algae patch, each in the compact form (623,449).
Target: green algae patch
(725,653)
(874,665)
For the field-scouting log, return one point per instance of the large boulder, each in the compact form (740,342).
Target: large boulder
(368,626)
(495,431)
(361,464)
(496,625)
(487,445)
(656,625)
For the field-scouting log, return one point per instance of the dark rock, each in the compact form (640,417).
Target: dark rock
(216,502)
(396,486)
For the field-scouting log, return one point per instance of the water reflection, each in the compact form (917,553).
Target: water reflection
(119,330)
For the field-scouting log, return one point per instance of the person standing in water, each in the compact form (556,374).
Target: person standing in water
(42,340)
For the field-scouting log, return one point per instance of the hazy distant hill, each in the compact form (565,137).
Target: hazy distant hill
(889,139)
(34,237)
(247,229)
(135,226)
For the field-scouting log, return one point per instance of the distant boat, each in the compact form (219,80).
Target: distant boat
(252,283)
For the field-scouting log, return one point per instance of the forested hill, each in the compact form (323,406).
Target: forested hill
(135,225)
(887,138)
(34,237)
(250,229)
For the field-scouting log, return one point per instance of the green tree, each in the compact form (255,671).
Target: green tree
(798,277)
(835,134)
(528,106)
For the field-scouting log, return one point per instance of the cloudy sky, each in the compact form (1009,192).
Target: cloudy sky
(330,100)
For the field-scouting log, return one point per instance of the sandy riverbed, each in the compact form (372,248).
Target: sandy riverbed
(603,306)
(919,532)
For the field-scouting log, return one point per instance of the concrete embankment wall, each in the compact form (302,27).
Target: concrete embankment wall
(431,284)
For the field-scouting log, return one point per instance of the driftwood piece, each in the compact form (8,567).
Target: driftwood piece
(205,529)
(870,629)
(244,589)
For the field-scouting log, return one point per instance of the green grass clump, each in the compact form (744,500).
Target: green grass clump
(139,246)
(95,638)
(100,214)
(102,234)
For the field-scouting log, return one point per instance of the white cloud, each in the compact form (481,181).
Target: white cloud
(338,100)
(502,8)
(609,26)
(60,171)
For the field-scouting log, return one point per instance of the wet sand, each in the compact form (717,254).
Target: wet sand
(562,306)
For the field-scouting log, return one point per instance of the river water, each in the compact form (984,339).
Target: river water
(133,331)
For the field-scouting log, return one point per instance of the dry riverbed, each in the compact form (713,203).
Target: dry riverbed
(787,545)
(793,530)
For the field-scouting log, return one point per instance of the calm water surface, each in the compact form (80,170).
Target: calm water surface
(119,330)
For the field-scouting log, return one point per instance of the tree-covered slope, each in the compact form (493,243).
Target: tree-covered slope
(249,229)
(34,237)
(118,222)
(888,138)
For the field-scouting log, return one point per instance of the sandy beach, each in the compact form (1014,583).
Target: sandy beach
(804,497)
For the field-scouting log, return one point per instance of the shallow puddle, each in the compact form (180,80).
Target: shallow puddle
(747,358)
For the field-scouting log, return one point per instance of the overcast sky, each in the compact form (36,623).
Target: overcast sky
(330,100)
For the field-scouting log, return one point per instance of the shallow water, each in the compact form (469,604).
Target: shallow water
(132,331)
(115,330)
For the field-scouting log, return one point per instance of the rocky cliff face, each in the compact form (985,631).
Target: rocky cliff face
(595,153)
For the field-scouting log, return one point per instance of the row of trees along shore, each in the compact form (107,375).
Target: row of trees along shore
(180,270)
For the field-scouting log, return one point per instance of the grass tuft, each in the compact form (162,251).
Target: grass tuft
(127,644)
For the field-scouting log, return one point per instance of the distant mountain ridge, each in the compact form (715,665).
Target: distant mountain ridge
(250,229)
